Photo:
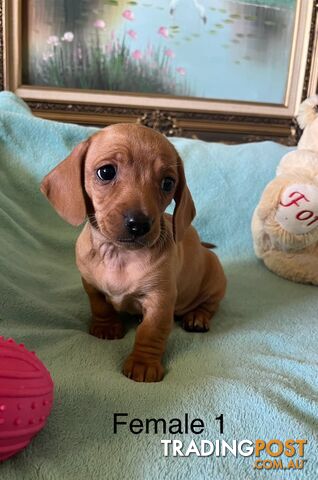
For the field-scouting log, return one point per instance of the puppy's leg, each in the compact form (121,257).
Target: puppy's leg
(213,290)
(144,363)
(105,321)
(198,319)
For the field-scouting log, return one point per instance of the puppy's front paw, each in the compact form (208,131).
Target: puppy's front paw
(196,321)
(142,371)
(109,330)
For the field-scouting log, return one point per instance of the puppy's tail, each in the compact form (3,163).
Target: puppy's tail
(308,111)
(208,245)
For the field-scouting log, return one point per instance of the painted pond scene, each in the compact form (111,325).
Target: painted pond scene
(211,49)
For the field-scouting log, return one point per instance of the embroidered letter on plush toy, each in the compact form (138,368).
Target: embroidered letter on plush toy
(301,196)
(306,215)
(297,212)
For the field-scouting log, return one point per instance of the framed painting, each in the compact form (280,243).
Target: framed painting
(215,69)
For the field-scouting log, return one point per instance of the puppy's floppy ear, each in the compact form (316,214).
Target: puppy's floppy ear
(184,211)
(63,186)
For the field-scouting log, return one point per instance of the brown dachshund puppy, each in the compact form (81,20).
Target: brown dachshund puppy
(132,256)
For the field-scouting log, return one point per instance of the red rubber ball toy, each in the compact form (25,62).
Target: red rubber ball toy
(26,397)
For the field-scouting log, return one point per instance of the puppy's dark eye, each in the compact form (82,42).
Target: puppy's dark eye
(106,172)
(167,184)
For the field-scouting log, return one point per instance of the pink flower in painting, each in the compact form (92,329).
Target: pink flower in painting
(128,15)
(68,37)
(132,34)
(169,53)
(181,70)
(137,55)
(53,40)
(99,24)
(164,32)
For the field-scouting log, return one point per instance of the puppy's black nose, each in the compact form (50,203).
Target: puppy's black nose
(137,223)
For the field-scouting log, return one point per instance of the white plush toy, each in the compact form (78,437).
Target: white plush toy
(285,222)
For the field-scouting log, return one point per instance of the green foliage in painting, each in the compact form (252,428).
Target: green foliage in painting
(113,66)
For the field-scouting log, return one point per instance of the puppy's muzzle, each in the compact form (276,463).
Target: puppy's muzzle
(137,224)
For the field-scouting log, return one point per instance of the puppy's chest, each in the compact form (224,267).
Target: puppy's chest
(122,280)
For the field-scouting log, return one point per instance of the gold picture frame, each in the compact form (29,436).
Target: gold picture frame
(231,121)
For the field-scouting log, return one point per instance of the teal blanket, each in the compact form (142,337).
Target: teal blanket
(257,366)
